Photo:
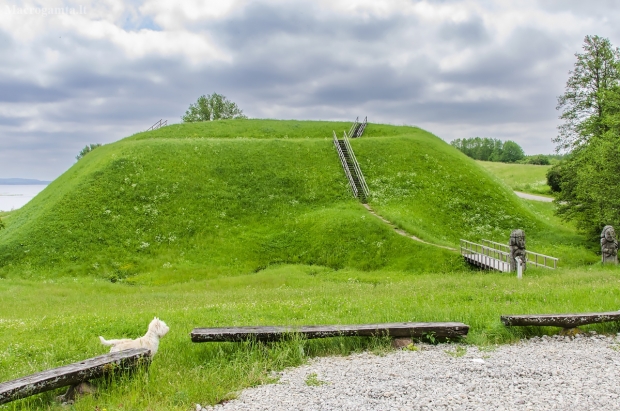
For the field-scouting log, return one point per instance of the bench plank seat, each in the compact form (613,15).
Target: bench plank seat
(560,320)
(71,374)
(442,330)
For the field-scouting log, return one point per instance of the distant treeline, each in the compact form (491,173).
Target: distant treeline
(493,149)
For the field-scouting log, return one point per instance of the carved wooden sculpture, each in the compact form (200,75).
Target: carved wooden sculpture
(609,245)
(517,248)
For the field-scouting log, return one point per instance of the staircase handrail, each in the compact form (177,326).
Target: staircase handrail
(158,124)
(352,129)
(362,127)
(343,161)
(356,165)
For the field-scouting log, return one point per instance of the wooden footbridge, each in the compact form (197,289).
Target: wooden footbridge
(496,256)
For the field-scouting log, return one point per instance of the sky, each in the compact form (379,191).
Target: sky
(81,72)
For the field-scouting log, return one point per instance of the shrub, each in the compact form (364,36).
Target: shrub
(554,177)
(87,149)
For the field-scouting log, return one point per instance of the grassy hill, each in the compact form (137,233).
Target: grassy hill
(230,197)
(528,178)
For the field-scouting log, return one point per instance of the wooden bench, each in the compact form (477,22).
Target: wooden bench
(560,320)
(72,374)
(396,330)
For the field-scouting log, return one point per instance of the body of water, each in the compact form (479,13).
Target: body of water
(14,197)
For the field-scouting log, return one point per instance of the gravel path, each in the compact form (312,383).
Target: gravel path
(549,373)
(534,197)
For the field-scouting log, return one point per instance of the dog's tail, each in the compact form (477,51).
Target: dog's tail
(104,341)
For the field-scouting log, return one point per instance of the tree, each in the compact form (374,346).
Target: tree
(87,149)
(212,107)
(590,195)
(511,152)
(485,149)
(582,104)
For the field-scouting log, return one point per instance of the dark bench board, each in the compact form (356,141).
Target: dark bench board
(560,320)
(70,374)
(442,330)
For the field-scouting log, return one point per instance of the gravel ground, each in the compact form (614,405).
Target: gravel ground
(549,373)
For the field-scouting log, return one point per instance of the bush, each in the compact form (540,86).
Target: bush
(538,159)
(554,178)
(87,150)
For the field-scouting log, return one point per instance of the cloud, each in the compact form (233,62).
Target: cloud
(461,68)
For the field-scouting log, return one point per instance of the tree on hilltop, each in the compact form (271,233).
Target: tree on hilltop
(212,107)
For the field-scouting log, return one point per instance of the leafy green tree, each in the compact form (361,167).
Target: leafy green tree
(511,152)
(212,107)
(87,149)
(485,149)
(590,195)
(582,104)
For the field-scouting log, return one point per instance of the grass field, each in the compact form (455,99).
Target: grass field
(251,222)
(46,324)
(527,178)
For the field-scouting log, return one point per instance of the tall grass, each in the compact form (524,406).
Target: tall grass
(528,178)
(49,323)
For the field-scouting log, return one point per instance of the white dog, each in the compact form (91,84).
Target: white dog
(157,329)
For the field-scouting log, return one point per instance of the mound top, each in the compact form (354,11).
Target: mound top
(267,129)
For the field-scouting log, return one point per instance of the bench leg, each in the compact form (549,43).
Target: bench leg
(76,390)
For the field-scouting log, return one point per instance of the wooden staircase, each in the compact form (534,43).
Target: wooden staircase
(351,168)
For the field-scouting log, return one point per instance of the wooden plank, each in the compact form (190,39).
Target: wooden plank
(560,320)
(441,330)
(71,374)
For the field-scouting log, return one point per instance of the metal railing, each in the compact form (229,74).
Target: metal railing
(488,257)
(354,126)
(345,166)
(360,131)
(158,124)
(539,260)
(357,129)
(356,166)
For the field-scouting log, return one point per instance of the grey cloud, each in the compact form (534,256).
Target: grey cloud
(256,24)
(18,91)
(470,32)
(292,62)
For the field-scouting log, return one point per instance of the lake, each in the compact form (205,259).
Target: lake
(13,197)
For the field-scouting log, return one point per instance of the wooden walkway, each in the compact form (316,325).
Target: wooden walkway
(496,256)
(72,374)
(560,320)
(416,330)
(485,257)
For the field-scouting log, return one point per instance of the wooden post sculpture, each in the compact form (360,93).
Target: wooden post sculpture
(517,249)
(609,245)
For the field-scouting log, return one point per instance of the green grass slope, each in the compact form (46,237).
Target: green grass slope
(528,178)
(230,197)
